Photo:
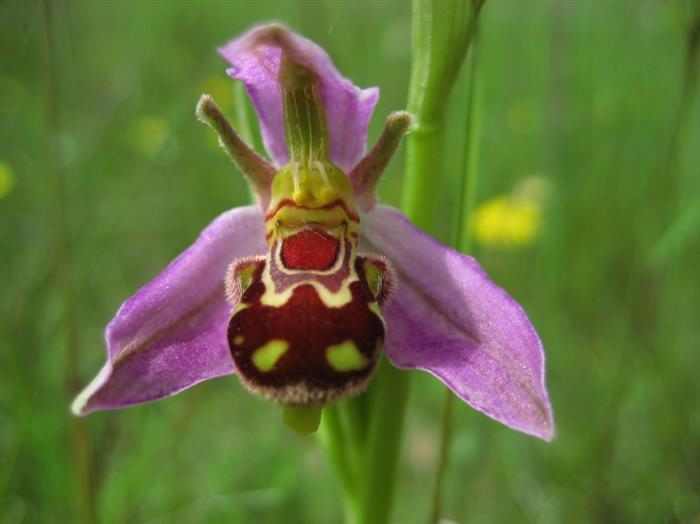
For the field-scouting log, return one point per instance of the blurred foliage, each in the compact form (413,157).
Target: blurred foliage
(590,95)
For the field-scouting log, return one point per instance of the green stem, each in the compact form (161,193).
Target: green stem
(334,440)
(442,31)
(354,419)
(463,231)
(424,154)
(443,456)
(344,435)
(462,240)
(388,395)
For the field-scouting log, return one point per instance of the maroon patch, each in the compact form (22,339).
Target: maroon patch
(309,327)
(310,249)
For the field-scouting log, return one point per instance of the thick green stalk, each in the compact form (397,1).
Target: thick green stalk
(442,31)
(462,240)
(334,440)
(388,395)
(463,230)
(443,456)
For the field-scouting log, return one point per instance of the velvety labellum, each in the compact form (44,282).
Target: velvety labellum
(316,339)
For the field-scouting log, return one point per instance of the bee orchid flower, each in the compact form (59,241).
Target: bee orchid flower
(301,293)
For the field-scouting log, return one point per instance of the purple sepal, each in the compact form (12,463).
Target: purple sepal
(255,59)
(447,318)
(171,334)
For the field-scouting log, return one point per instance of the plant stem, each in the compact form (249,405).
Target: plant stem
(389,395)
(333,439)
(80,445)
(462,240)
(354,420)
(463,230)
(443,456)
(442,31)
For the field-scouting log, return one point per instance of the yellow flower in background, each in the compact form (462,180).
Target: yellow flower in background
(511,220)
(148,134)
(7,180)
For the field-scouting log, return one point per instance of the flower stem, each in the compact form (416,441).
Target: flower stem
(462,235)
(445,446)
(388,395)
(468,183)
(354,419)
(442,31)
(333,439)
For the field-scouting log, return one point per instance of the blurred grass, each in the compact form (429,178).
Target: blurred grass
(582,93)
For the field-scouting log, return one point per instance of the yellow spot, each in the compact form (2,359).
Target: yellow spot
(506,222)
(149,134)
(514,219)
(267,356)
(346,357)
(7,180)
(238,340)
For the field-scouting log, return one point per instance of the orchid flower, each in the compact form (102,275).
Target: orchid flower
(301,293)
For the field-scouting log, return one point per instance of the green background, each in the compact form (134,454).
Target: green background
(114,177)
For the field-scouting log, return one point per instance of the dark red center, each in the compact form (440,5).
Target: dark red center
(310,249)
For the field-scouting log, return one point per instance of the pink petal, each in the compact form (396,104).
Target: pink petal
(255,59)
(171,334)
(447,318)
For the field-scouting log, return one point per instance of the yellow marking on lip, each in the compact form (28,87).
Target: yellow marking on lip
(238,340)
(346,357)
(240,307)
(334,300)
(265,357)
(271,297)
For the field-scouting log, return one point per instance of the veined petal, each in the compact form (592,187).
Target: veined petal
(171,334)
(255,59)
(447,318)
